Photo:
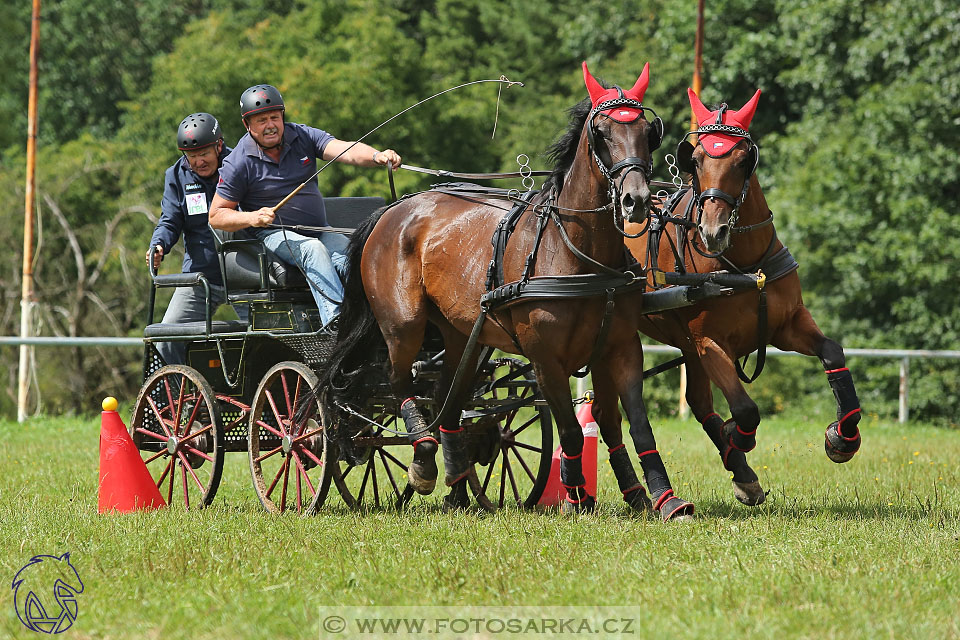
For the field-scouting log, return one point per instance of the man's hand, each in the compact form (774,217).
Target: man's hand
(262,217)
(388,156)
(156,253)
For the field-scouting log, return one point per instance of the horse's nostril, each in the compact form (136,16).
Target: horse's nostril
(627,201)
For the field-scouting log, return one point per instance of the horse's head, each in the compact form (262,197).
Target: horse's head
(722,163)
(621,140)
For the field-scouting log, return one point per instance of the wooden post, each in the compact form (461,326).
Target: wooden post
(26,295)
(683,409)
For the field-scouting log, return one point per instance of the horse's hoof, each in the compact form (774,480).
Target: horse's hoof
(422,476)
(838,448)
(585,505)
(673,508)
(637,499)
(737,438)
(457,499)
(749,493)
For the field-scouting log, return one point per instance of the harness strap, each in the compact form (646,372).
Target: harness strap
(605,323)
(761,343)
(775,267)
(505,228)
(665,366)
(472,176)
(717,193)
(461,374)
(581,255)
(532,258)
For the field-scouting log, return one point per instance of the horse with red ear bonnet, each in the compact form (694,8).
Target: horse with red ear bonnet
(721,133)
(730,227)
(426,259)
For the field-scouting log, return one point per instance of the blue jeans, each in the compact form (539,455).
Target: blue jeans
(323,259)
(188,304)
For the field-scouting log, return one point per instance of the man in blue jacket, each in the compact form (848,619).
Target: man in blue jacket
(189,187)
(270,162)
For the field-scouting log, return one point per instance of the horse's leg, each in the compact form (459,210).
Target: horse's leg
(404,340)
(625,362)
(607,414)
(555,386)
(456,461)
(801,334)
(746,486)
(740,431)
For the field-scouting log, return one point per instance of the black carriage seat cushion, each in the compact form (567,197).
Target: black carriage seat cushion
(170,330)
(242,266)
(348,213)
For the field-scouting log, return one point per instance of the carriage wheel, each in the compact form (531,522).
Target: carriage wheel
(517,471)
(287,446)
(176,426)
(373,472)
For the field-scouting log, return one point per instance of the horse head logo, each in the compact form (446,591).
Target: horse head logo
(45,593)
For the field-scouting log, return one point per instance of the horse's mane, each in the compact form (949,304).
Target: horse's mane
(563,152)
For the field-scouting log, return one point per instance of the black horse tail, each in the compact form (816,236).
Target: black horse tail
(358,337)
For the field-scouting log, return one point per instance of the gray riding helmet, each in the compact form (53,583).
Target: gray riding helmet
(260,98)
(198,130)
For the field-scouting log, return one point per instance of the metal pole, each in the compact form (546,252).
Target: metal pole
(904,406)
(697,60)
(682,408)
(26,295)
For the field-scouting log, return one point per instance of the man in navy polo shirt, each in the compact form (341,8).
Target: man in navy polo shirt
(189,187)
(268,164)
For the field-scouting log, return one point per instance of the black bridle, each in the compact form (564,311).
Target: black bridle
(685,162)
(617,173)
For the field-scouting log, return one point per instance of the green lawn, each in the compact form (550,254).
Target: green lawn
(863,550)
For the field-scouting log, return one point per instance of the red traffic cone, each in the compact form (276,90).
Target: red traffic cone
(125,482)
(554,493)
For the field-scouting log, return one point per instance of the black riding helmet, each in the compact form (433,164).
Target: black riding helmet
(198,130)
(260,98)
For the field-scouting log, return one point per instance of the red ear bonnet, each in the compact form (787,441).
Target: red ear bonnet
(599,95)
(719,144)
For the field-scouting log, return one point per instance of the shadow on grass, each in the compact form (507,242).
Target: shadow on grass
(849,509)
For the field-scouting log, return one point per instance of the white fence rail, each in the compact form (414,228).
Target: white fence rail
(903,355)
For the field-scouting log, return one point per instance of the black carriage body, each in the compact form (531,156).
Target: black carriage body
(284,325)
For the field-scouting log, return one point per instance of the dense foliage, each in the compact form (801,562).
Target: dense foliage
(858,125)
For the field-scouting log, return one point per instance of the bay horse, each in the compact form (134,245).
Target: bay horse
(426,258)
(727,226)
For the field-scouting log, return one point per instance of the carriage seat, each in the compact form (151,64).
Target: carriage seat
(250,274)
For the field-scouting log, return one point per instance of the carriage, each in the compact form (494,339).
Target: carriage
(244,389)
(415,289)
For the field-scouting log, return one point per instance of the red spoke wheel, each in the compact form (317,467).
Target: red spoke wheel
(512,449)
(287,444)
(176,426)
(368,464)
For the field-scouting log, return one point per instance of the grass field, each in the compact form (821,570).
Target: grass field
(864,550)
